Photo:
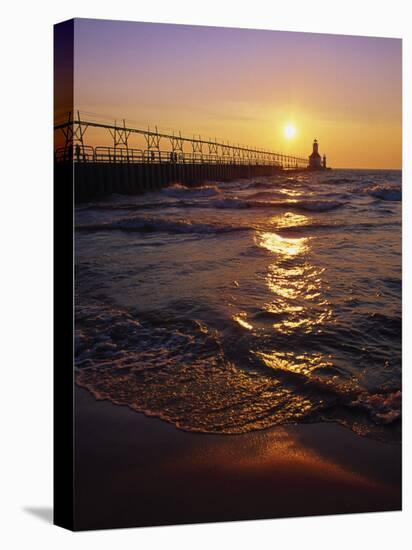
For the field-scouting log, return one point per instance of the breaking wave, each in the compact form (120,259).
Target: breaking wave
(178,191)
(241,204)
(233,204)
(178,370)
(385,192)
(152,225)
(308,205)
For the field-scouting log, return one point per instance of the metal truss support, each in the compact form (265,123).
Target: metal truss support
(120,135)
(197,147)
(153,143)
(73,131)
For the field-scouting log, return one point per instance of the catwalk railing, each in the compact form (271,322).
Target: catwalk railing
(201,151)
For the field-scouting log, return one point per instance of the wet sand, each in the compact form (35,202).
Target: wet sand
(138,471)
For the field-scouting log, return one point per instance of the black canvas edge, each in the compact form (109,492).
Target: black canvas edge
(63,300)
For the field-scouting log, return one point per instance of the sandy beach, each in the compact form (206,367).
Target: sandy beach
(138,471)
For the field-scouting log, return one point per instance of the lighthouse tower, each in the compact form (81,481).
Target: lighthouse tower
(315,158)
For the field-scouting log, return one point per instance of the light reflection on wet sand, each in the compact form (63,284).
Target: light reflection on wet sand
(271,450)
(159,474)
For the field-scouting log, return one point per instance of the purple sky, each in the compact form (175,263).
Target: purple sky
(246,85)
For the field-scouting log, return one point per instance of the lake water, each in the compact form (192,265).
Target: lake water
(238,306)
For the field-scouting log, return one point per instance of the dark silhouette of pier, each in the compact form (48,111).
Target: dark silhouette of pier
(163,159)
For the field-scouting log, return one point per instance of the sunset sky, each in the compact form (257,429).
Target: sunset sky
(246,86)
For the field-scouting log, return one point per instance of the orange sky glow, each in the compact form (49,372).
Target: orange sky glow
(246,86)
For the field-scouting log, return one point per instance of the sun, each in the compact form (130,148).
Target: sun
(289,131)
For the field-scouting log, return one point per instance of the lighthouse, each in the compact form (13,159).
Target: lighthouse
(315,161)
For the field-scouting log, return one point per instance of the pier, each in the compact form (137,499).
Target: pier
(160,159)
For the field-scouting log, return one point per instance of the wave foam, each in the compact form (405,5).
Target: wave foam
(385,192)
(177,369)
(181,191)
(384,408)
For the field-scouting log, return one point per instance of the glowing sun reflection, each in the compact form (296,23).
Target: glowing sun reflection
(286,247)
(298,303)
(240,318)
